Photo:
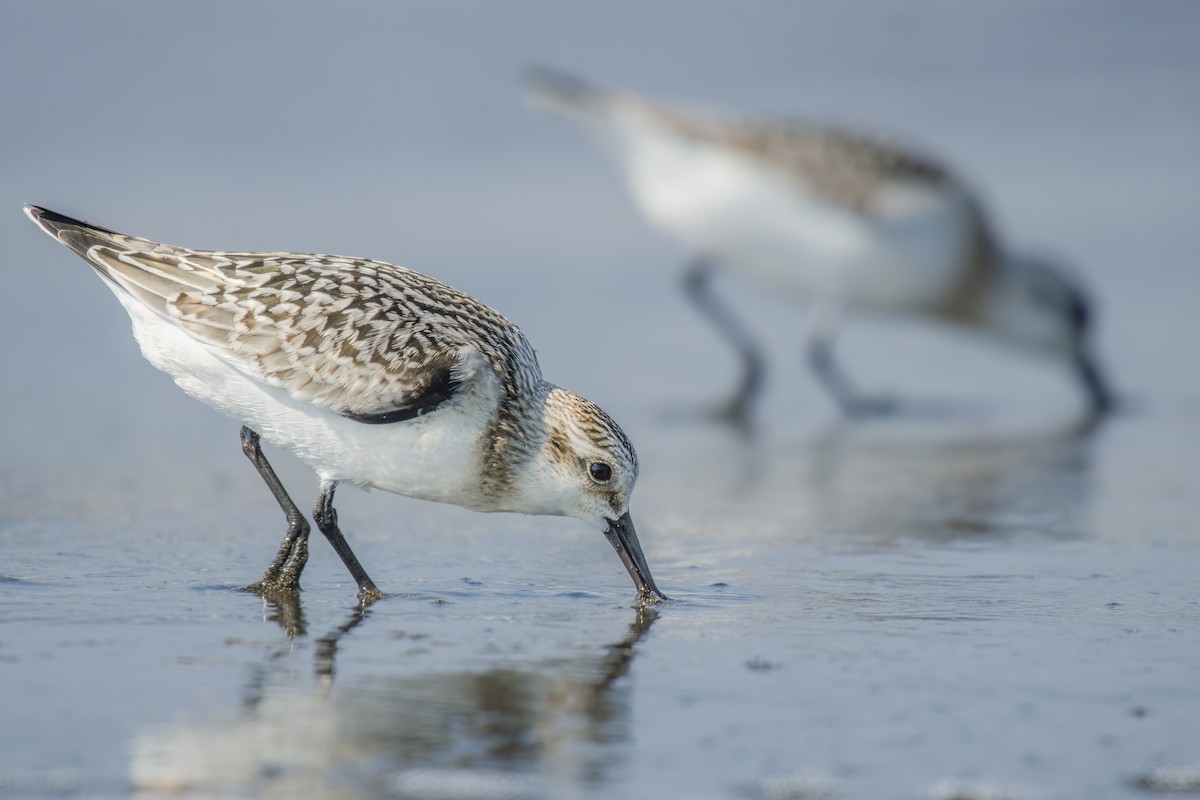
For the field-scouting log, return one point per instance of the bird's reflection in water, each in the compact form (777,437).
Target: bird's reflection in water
(285,610)
(885,482)
(533,729)
(969,483)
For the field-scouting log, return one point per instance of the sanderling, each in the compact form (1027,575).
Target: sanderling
(829,217)
(374,375)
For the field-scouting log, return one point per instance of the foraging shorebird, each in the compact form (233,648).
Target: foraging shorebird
(831,218)
(374,375)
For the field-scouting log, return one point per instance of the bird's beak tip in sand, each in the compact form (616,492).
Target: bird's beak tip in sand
(623,537)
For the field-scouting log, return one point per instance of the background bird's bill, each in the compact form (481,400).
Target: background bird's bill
(1094,383)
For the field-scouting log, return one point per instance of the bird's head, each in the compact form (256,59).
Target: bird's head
(1040,305)
(586,468)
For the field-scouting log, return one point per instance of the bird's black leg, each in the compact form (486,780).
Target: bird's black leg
(819,351)
(326,516)
(284,572)
(697,278)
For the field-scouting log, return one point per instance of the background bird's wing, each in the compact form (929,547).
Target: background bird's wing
(847,167)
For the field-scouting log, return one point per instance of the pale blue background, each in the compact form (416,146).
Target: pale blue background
(889,610)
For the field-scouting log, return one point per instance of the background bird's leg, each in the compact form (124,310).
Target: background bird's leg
(824,324)
(284,572)
(326,516)
(697,279)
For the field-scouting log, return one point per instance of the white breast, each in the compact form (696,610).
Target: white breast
(436,457)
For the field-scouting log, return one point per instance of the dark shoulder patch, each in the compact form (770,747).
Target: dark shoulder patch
(441,387)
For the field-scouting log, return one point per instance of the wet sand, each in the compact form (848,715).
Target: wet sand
(985,599)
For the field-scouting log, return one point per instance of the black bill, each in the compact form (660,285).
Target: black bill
(623,537)
(1094,384)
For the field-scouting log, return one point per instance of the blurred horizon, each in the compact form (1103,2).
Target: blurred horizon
(854,600)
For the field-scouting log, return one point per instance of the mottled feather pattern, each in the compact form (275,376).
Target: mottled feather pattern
(851,168)
(591,422)
(369,340)
(304,349)
(832,216)
(603,430)
(359,337)
(845,166)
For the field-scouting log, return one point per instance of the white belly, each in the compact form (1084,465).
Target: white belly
(905,256)
(436,457)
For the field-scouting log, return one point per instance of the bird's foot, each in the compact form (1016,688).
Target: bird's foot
(726,414)
(268,587)
(284,573)
(734,413)
(914,410)
(370,594)
(647,597)
(867,407)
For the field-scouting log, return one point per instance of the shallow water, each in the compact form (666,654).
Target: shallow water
(985,599)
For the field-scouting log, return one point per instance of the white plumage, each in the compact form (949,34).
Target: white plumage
(829,217)
(372,374)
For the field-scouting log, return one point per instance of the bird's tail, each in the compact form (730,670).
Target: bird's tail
(82,236)
(574,97)
(151,272)
(98,246)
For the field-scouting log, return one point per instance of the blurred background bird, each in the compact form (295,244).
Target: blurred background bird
(833,218)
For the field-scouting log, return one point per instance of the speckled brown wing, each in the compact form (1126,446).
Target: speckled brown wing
(366,339)
(846,167)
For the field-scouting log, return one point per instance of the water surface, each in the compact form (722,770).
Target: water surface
(988,599)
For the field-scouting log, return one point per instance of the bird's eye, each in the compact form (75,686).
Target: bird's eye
(601,472)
